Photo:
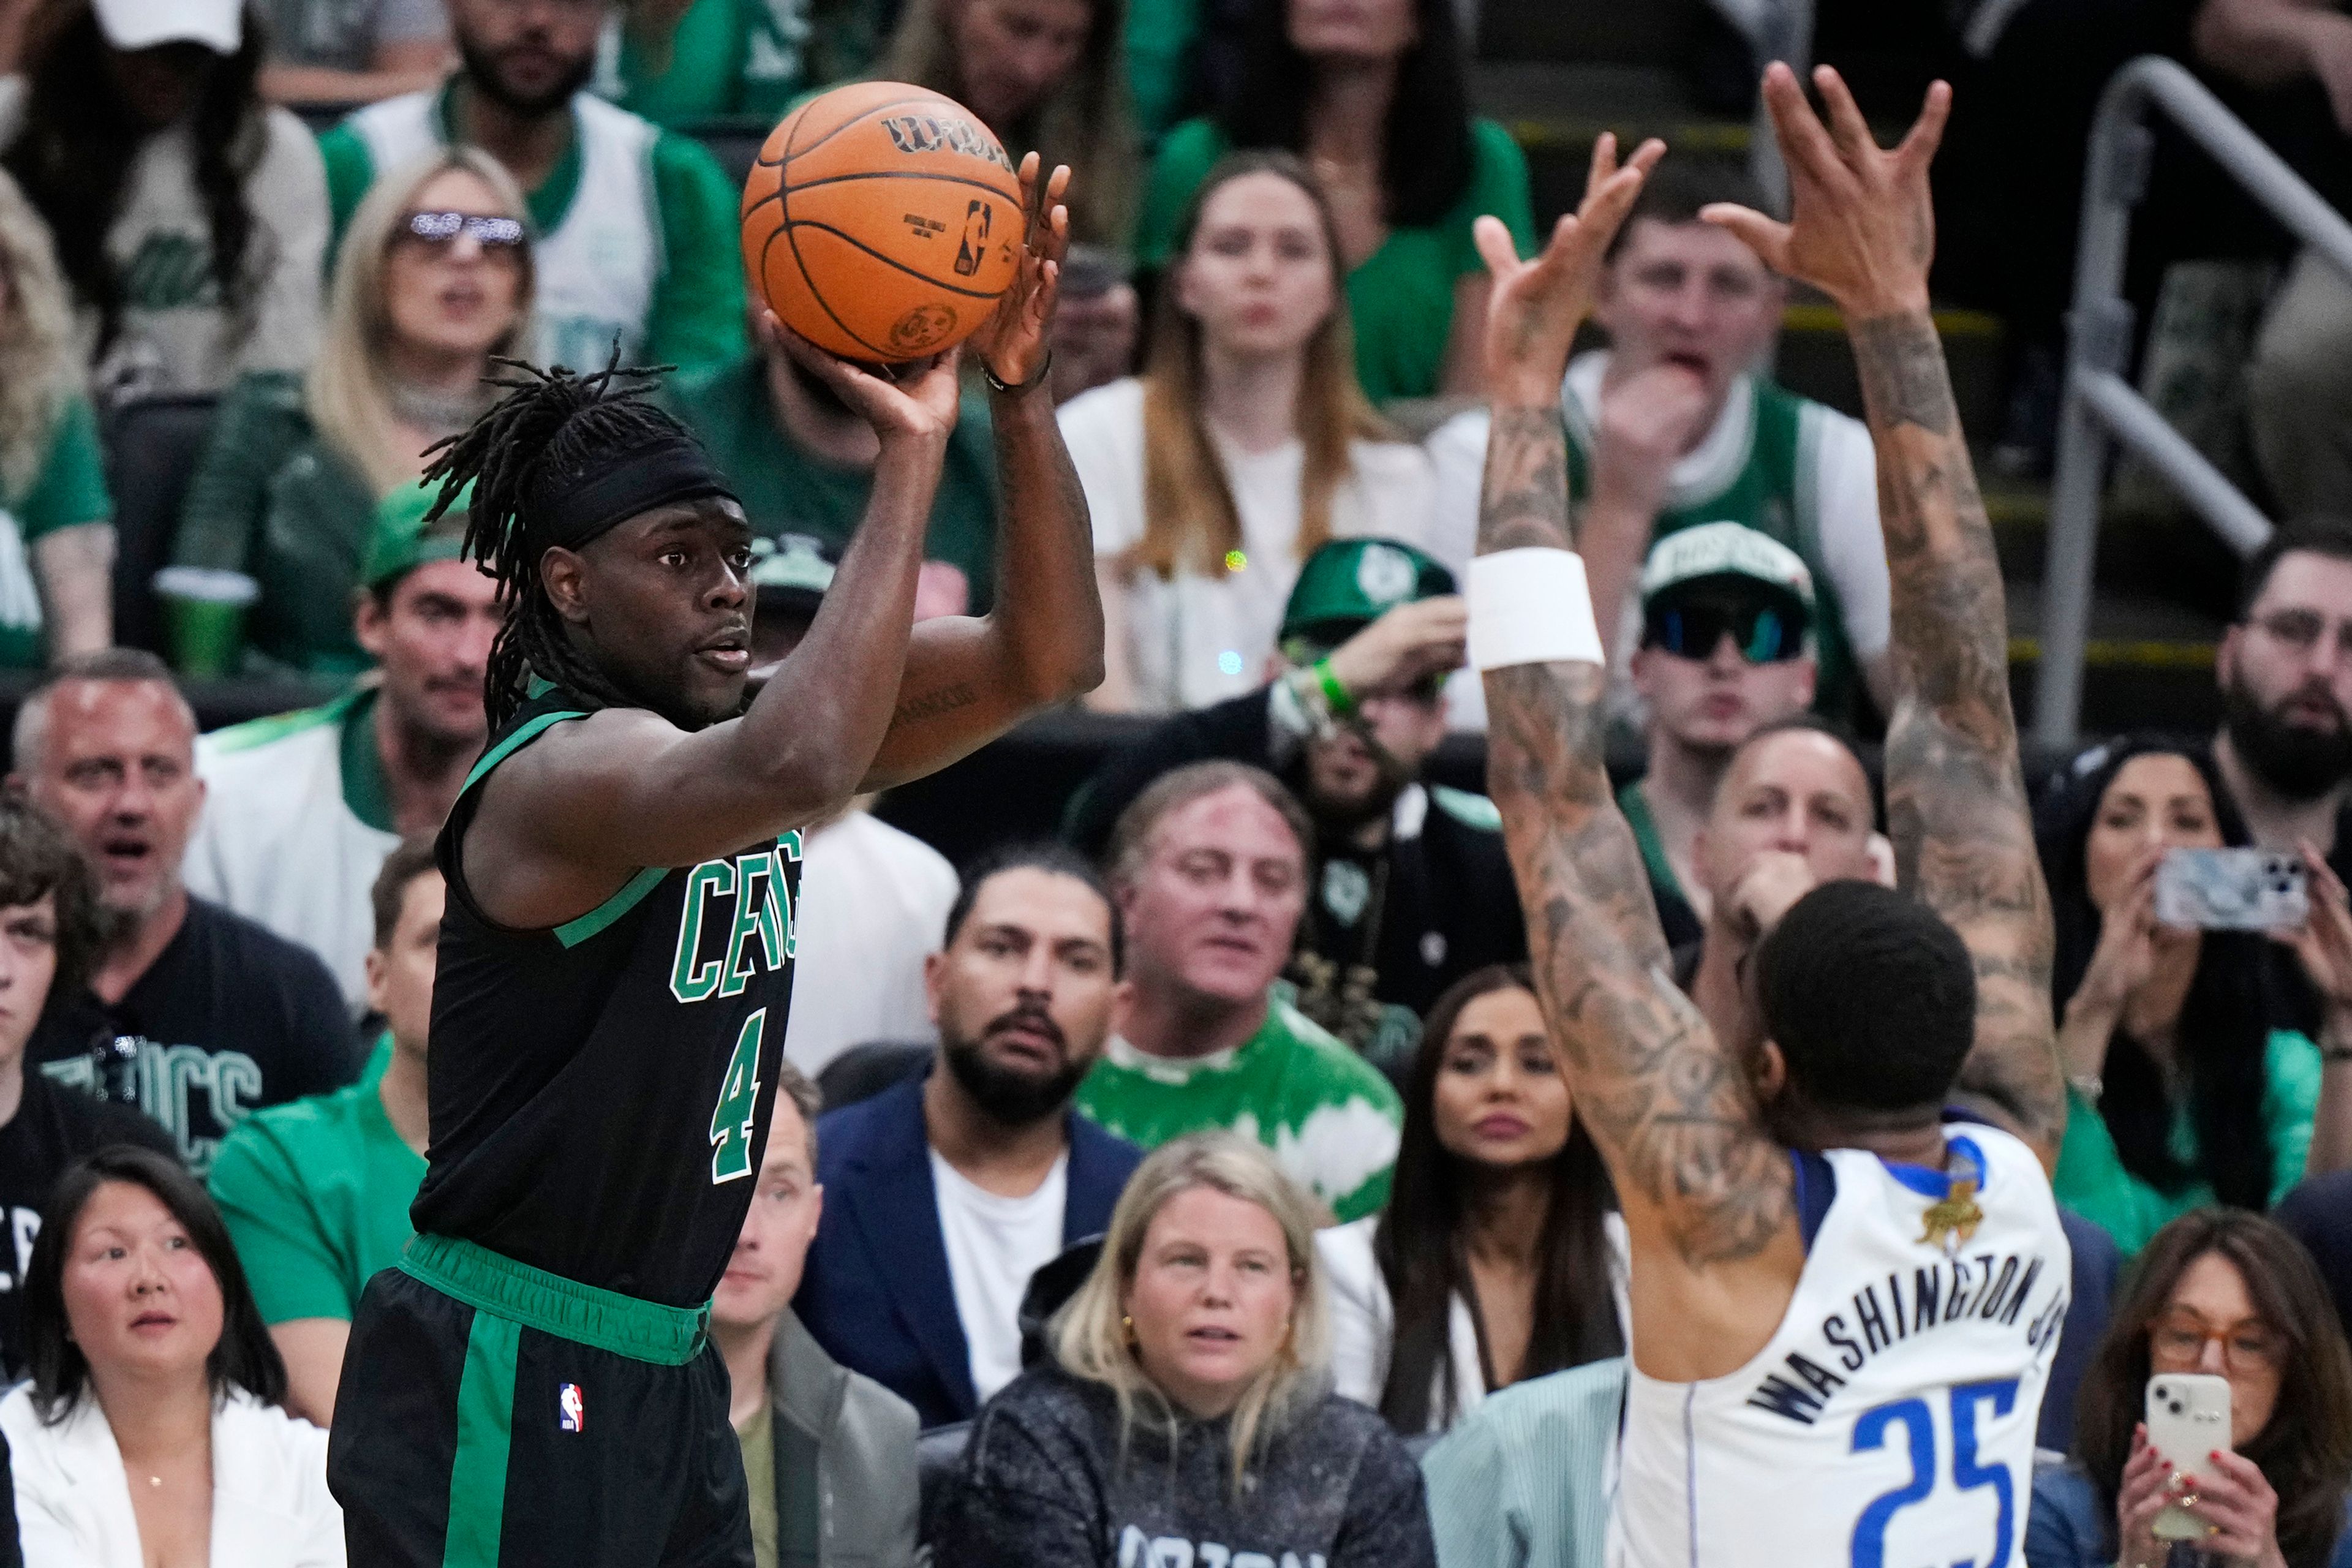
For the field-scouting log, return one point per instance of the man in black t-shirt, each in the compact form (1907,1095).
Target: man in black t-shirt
(48,936)
(226,1017)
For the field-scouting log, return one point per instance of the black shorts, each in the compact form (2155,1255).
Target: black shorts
(468,1436)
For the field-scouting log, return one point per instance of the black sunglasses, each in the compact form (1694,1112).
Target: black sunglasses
(438,229)
(1762,633)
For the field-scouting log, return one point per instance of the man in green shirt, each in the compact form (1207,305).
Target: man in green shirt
(686,62)
(1726,649)
(1209,866)
(803,462)
(316,1191)
(635,239)
(1674,426)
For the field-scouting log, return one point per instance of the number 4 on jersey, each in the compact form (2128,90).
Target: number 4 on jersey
(738,1105)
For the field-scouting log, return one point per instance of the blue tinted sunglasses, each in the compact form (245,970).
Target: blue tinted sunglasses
(1762,633)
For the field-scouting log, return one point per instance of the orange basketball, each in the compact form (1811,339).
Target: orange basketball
(882,221)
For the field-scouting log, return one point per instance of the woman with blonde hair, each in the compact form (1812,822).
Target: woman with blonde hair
(57,533)
(1244,446)
(1187,1404)
(1047,75)
(433,279)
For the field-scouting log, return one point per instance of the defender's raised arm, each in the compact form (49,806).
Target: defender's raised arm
(1673,1114)
(1862,232)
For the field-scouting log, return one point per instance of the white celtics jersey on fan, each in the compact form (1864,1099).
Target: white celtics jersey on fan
(598,266)
(1889,1423)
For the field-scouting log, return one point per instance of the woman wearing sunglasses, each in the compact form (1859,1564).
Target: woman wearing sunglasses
(2229,1294)
(433,278)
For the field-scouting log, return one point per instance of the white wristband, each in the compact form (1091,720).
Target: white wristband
(1531,607)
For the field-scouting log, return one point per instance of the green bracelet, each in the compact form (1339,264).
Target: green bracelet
(1341,702)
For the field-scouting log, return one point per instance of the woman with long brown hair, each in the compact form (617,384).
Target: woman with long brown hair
(1046,76)
(1244,445)
(1500,1257)
(2225,1292)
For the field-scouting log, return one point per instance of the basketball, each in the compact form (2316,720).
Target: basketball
(882,221)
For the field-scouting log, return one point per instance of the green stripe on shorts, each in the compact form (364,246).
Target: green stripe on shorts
(477,1477)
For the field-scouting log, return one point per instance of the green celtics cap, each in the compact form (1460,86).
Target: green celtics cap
(402,542)
(1348,584)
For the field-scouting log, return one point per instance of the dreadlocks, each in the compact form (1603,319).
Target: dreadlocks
(550,429)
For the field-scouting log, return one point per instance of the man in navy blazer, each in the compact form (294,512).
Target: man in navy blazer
(945,1192)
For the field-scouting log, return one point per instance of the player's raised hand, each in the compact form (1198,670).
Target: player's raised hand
(919,405)
(1012,342)
(1536,306)
(1862,226)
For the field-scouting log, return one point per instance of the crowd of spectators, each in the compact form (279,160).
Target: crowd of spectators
(1204,1174)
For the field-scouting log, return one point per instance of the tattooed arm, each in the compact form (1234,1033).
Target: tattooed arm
(1705,1190)
(1862,232)
(967,680)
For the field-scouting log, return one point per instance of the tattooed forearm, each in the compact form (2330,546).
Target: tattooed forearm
(931,704)
(1955,794)
(1526,497)
(1672,1113)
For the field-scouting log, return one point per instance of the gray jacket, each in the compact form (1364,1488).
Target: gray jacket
(845,1480)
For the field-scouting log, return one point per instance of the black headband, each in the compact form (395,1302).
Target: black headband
(637,480)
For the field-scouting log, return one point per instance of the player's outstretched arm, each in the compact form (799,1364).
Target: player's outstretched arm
(970,679)
(1672,1113)
(1862,231)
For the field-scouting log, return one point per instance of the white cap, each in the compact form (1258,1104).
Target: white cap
(1726,549)
(218,25)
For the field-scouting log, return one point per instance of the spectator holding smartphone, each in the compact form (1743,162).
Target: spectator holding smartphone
(2182,1093)
(2229,1294)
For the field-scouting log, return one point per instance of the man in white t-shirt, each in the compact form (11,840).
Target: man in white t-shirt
(303,808)
(945,1192)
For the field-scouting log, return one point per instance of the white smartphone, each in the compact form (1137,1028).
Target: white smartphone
(2187,1419)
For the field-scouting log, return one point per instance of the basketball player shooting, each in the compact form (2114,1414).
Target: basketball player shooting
(1843,1305)
(533,1385)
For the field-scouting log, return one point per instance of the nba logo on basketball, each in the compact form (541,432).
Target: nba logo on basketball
(570,1408)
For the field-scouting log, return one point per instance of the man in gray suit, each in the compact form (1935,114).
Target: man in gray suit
(829,1455)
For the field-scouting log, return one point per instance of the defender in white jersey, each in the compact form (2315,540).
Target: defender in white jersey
(1843,1310)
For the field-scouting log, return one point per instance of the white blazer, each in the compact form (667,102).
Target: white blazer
(271,1507)
(1363,1322)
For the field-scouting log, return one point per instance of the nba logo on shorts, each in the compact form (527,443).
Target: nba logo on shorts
(570,1408)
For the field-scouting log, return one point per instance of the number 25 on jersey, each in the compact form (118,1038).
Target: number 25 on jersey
(1876,1428)
(738,1105)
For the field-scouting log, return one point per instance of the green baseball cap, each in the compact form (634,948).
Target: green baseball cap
(403,540)
(1348,584)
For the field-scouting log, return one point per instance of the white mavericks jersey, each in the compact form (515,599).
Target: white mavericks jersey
(598,266)
(1889,1423)
(278,843)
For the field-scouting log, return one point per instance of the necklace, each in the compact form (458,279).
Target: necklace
(434,412)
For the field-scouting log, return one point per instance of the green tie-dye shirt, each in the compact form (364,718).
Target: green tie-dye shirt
(1329,1117)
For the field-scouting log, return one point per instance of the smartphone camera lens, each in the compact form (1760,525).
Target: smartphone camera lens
(2175,1407)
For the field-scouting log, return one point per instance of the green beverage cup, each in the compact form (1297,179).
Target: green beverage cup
(204,616)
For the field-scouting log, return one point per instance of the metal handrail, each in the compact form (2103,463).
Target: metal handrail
(2102,408)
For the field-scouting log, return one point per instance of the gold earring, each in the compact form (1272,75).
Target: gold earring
(1128,1324)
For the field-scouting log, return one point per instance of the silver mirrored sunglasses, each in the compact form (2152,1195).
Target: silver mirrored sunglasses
(489,233)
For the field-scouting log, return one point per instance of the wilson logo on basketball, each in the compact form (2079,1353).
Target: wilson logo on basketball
(930,134)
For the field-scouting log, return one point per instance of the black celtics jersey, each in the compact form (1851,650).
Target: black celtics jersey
(600,1090)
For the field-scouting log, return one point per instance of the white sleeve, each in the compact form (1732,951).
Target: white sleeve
(1399,493)
(1358,1300)
(290,186)
(1852,547)
(1457,460)
(1103,429)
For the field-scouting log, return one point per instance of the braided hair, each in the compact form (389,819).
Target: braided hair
(551,426)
